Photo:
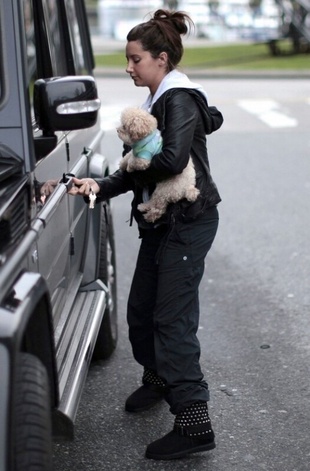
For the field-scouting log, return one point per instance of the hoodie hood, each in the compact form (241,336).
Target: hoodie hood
(176,80)
(211,116)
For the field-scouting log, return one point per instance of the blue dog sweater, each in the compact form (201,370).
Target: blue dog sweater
(148,146)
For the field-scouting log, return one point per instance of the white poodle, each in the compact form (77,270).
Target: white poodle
(138,129)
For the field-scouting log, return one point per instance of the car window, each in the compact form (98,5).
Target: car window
(30,44)
(54,37)
(75,37)
(54,46)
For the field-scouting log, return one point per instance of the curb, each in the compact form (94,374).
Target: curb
(116,72)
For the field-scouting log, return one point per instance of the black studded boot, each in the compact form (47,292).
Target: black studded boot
(150,393)
(192,433)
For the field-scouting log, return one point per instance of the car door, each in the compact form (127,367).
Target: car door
(55,47)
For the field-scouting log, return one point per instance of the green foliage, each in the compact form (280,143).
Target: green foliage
(115,59)
(228,57)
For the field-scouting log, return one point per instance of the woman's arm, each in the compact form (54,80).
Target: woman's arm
(181,115)
(105,188)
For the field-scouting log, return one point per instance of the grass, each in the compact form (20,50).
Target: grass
(228,57)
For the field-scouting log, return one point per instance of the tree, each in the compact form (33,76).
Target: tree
(171,4)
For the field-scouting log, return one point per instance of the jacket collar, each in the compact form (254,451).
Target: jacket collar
(174,79)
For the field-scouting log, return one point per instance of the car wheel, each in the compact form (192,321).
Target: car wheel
(107,336)
(32,429)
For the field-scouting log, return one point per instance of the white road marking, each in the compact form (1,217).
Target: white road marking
(110,116)
(269,112)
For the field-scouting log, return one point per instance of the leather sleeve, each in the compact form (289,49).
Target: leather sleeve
(115,184)
(181,115)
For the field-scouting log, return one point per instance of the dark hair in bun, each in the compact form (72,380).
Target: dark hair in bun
(162,33)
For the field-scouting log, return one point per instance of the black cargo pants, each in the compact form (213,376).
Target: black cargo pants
(163,306)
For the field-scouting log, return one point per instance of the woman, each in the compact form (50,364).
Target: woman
(163,305)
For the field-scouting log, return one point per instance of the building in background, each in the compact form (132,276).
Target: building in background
(216,20)
(117,17)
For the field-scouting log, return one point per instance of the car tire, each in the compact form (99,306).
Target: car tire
(32,425)
(107,336)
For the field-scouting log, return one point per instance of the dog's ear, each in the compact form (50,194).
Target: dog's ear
(138,128)
(126,115)
(138,123)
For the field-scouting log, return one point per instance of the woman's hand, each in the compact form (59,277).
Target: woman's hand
(83,186)
(48,187)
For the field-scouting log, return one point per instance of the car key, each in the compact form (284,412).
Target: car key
(92,199)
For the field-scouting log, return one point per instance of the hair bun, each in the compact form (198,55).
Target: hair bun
(162,33)
(180,20)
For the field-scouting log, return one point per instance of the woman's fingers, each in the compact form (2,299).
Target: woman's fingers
(83,186)
(73,191)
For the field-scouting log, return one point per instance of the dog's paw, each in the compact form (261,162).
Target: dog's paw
(152,215)
(137,164)
(131,167)
(143,207)
(192,193)
(123,165)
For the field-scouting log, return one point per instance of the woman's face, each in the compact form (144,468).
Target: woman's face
(143,68)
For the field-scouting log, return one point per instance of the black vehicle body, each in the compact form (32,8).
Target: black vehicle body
(57,261)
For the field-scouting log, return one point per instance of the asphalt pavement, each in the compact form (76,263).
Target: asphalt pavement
(254,297)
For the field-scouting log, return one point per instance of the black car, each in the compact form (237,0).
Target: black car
(57,257)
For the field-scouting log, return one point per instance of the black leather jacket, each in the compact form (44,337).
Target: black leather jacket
(184,119)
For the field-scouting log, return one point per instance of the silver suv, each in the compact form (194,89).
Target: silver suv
(57,260)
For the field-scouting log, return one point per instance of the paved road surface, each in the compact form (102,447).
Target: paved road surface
(254,297)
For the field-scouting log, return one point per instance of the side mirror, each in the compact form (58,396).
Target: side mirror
(65,103)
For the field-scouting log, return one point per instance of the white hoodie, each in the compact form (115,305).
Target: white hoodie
(174,79)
